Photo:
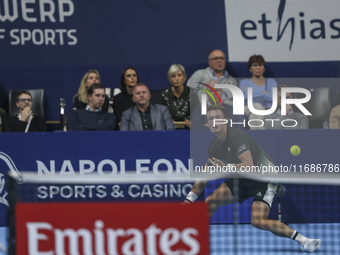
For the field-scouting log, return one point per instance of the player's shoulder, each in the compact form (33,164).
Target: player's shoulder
(236,133)
(236,136)
(213,145)
(213,142)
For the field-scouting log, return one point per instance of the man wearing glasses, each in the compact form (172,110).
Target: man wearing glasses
(25,121)
(215,71)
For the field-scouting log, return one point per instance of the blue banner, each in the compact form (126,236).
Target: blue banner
(163,153)
(107,154)
(80,31)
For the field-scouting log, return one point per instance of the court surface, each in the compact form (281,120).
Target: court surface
(253,241)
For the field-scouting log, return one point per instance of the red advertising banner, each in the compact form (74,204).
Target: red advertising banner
(111,228)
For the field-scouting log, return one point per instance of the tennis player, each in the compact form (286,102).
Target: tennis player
(236,146)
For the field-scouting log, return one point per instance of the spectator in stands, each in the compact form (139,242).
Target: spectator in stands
(177,97)
(3,118)
(199,121)
(92,117)
(80,99)
(290,119)
(215,71)
(334,118)
(145,116)
(25,121)
(262,87)
(123,100)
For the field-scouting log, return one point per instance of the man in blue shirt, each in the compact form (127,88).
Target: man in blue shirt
(215,71)
(92,117)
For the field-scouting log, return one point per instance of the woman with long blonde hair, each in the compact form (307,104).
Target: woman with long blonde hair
(80,99)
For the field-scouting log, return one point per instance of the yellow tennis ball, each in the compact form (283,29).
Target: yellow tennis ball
(295,150)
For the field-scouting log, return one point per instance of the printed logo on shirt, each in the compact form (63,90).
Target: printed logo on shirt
(242,148)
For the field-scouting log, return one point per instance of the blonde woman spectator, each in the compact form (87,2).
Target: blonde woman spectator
(177,96)
(80,99)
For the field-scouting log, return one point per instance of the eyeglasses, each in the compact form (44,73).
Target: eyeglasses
(257,65)
(23,100)
(217,58)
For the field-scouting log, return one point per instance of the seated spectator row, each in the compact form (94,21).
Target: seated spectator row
(133,109)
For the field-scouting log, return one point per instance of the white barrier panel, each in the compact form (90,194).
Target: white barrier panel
(304,30)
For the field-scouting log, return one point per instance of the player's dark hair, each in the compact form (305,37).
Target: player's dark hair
(220,108)
(94,86)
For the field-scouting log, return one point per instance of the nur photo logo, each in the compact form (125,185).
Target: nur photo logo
(204,97)
(239,104)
